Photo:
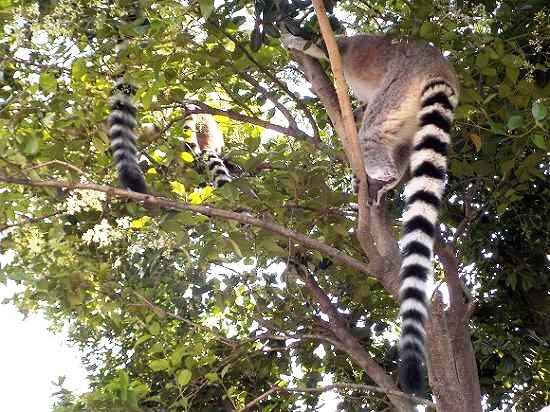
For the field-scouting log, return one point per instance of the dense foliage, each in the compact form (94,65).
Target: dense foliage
(169,306)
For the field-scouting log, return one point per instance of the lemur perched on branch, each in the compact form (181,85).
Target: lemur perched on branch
(410,92)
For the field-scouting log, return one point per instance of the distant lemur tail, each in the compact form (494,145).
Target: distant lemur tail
(423,193)
(121,124)
(217,169)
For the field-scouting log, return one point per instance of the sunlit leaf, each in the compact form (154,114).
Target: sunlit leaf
(184,377)
(178,188)
(48,82)
(187,157)
(140,223)
(206,6)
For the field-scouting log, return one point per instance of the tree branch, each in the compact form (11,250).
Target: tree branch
(157,309)
(4,226)
(349,343)
(60,163)
(204,108)
(460,306)
(272,97)
(331,252)
(337,386)
(468,216)
(349,138)
(284,87)
(361,387)
(374,224)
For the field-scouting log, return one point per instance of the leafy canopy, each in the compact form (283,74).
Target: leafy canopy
(167,304)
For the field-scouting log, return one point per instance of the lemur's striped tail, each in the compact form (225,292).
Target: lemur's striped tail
(217,169)
(121,123)
(423,193)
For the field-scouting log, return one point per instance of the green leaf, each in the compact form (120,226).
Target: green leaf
(175,357)
(178,188)
(225,369)
(48,82)
(212,376)
(236,248)
(206,6)
(187,157)
(482,60)
(159,365)
(512,73)
(427,30)
(154,328)
(539,141)
(140,223)
(5,4)
(514,122)
(252,143)
(539,111)
(79,70)
(512,280)
(184,377)
(31,144)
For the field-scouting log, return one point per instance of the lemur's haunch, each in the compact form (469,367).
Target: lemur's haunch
(207,141)
(411,92)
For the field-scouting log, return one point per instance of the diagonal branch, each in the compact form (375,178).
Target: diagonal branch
(272,97)
(204,108)
(27,220)
(331,252)
(349,138)
(158,310)
(349,343)
(335,386)
(359,387)
(299,102)
(374,224)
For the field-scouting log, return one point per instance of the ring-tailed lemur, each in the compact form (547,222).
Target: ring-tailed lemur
(411,92)
(207,137)
(207,142)
(121,122)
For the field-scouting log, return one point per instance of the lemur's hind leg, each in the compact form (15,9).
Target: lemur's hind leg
(384,138)
(382,172)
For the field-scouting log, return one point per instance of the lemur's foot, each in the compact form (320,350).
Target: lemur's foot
(290,41)
(377,189)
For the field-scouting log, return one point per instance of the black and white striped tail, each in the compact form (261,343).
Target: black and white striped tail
(423,193)
(121,123)
(217,169)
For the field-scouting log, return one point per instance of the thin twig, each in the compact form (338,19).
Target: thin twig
(204,108)
(299,102)
(60,163)
(272,97)
(347,341)
(361,387)
(340,387)
(28,220)
(258,399)
(206,329)
(463,225)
